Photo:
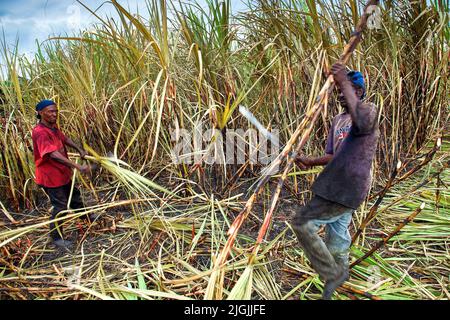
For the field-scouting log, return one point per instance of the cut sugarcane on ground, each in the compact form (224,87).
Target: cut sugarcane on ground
(123,86)
(167,252)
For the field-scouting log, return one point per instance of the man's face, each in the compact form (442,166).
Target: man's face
(341,99)
(358,91)
(49,114)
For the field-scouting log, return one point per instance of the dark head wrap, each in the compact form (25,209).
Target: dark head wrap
(43,104)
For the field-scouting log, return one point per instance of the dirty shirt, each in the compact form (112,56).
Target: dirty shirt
(347,177)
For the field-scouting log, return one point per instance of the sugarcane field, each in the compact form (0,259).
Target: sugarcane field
(225,150)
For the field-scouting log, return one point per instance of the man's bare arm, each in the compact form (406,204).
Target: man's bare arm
(69,142)
(316,161)
(363,117)
(57,156)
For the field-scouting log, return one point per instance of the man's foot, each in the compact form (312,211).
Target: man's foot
(61,243)
(331,285)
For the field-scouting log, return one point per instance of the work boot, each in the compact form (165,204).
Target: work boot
(332,284)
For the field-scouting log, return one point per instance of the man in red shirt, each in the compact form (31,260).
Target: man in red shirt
(53,167)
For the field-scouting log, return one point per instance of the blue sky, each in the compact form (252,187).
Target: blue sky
(32,20)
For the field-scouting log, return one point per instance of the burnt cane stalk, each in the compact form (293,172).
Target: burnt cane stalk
(427,158)
(392,181)
(374,208)
(382,242)
(420,185)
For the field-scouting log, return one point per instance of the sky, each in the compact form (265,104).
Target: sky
(31,20)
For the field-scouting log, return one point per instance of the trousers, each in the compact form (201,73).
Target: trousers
(59,198)
(330,257)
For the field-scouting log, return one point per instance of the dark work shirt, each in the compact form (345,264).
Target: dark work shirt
(347,177)
(340,128)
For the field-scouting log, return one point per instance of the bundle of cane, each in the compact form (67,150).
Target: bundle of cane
(134,182)
(241,289)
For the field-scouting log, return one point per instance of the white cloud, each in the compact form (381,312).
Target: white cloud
(32,20)
(38,20)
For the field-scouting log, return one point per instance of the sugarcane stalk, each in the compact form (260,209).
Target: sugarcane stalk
(235,177)
(382,242)
(420,185)
(344,286)
(426,160)
(276,196)
(309,118)
(374,208)
(428,157)
(6,213)
(373,211)
(438,193)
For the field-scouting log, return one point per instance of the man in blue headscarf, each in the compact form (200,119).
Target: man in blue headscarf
(53,167)
(343,184)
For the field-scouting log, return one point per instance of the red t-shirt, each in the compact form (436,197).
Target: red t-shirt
(49,173)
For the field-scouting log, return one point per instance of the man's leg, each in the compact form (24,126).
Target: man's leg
(338,239)
(305,224)
(76,201)
(58,199)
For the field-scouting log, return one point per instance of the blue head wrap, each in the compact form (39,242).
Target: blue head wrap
(357,79)
(43,104)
